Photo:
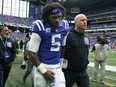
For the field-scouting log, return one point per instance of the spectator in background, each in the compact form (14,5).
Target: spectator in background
(76,54)
(27,58)
(7,54)
(21,45)
(17,45)
(46,43)
(100,51)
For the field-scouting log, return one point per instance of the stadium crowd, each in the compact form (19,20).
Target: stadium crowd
(15,21)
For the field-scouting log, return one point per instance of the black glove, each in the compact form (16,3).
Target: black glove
(23,66)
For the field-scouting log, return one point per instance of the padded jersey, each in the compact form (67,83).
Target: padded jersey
(51,40)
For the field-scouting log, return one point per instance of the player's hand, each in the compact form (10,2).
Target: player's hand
(49,75)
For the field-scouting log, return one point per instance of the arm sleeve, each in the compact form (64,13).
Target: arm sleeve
(34,43)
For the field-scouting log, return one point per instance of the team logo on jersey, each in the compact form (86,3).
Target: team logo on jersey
(48,30)
(55,10)
(86,40)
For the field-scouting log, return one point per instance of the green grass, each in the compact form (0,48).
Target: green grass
(16,74)
(108,74)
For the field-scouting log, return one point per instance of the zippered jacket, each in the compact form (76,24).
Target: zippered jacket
(10,49)
(77,51)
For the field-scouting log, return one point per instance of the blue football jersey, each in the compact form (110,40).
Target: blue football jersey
(51,40)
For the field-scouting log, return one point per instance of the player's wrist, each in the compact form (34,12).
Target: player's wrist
(42,69)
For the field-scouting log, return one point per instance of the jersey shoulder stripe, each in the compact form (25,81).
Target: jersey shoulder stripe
(66,25)
(36,23)
(39,25)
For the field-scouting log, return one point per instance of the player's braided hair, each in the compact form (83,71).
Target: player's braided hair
(51,6)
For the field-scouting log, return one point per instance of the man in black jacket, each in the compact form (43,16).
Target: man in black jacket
(76,53)
(7,54)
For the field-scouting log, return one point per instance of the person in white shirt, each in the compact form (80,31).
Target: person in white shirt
(100,51)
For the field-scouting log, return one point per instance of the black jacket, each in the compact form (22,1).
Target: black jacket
(77,51)
(10,48)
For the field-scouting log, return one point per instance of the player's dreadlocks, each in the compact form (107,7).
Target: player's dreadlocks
(51,6)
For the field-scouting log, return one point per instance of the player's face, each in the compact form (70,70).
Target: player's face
(55,19)
(4,32)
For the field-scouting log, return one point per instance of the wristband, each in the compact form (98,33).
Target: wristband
(41,68)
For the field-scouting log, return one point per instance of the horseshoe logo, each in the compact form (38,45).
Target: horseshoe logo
(55,10)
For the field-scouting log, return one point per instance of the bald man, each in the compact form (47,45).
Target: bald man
(76,53)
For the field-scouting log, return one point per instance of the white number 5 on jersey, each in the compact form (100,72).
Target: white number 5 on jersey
(55,44)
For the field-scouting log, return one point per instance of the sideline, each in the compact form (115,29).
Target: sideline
(105,83)
(107,67)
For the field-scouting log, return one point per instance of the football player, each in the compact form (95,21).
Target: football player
(48,37)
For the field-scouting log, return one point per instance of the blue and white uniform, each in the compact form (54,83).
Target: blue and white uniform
(47,42)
